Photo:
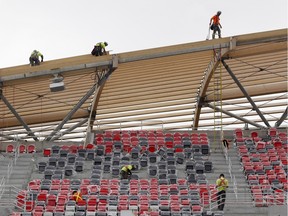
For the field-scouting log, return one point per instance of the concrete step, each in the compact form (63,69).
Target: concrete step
(244,211)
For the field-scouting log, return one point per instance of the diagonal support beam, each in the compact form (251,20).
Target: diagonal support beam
(70,129)
(234,116)
(282,118)
(101,83)
(71,113)
(85,97)
(208,74)
(19,118)
(245,93)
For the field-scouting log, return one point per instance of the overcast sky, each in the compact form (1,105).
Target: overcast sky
(65,28)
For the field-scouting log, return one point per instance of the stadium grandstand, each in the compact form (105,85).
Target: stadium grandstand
(71,124)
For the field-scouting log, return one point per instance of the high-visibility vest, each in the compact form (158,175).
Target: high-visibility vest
(77,196)
(101,44)
(222,184)
(126,168)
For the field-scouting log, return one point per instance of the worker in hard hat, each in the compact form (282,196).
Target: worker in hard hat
(126,171)
(216,24)
(34,58)
(100,49)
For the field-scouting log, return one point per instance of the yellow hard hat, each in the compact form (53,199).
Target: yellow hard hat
(129,167)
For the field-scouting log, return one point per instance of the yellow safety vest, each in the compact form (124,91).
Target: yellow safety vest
(222,184)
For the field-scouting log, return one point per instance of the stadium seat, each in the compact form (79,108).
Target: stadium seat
(31,148)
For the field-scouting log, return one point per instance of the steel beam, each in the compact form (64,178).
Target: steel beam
(101,83)
(233,115)
(55,71)
(254,106)
(70,129)
(208,73)
(282,118)
(71,113)
(9,137)
(18,117)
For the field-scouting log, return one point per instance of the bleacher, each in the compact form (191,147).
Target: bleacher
(264,164)
(171,176)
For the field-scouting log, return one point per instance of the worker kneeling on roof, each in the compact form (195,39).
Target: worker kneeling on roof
(100,49)
(126,171)
(34,58)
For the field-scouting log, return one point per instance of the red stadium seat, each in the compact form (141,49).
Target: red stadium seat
(22,148)
(272,132)
(10,148)
(29,205)
(31,148)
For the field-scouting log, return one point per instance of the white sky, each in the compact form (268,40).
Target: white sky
(65,28)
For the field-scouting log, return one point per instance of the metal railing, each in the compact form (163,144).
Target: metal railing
(10,199)
(13,161)
(246,198)
(140,125)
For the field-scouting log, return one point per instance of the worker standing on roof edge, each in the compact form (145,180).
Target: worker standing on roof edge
(126,171)
(99,49)
(216,24)
(34,58)
(221,185)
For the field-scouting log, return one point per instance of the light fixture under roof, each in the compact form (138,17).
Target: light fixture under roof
(57,83)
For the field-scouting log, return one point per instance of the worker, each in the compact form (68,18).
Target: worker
(215,25)
(34,58)
(100,49)
(76,195)
(126,171)
(221,185)
(225,143)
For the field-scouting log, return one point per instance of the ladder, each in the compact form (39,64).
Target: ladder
(217,102)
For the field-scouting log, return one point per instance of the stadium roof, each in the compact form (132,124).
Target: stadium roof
(227,83)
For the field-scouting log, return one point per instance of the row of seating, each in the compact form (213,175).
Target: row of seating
(147,133)
(22,148)
(151,146)
(72,149)
(272,135)
(177,196)
(190,196)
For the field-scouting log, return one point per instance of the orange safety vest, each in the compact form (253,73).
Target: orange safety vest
(77,196)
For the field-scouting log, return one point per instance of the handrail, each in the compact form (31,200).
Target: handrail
(263,201)
(11,200)
(10,167)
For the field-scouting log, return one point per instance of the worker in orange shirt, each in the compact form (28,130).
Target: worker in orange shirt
(216,25)
(77,196)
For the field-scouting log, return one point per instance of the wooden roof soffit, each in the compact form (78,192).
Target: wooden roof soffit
(280,44)
(18,117)
(105,73)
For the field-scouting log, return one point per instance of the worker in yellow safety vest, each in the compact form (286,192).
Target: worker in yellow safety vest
(222,185)
(126,171)
(100,49)
(34,58)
